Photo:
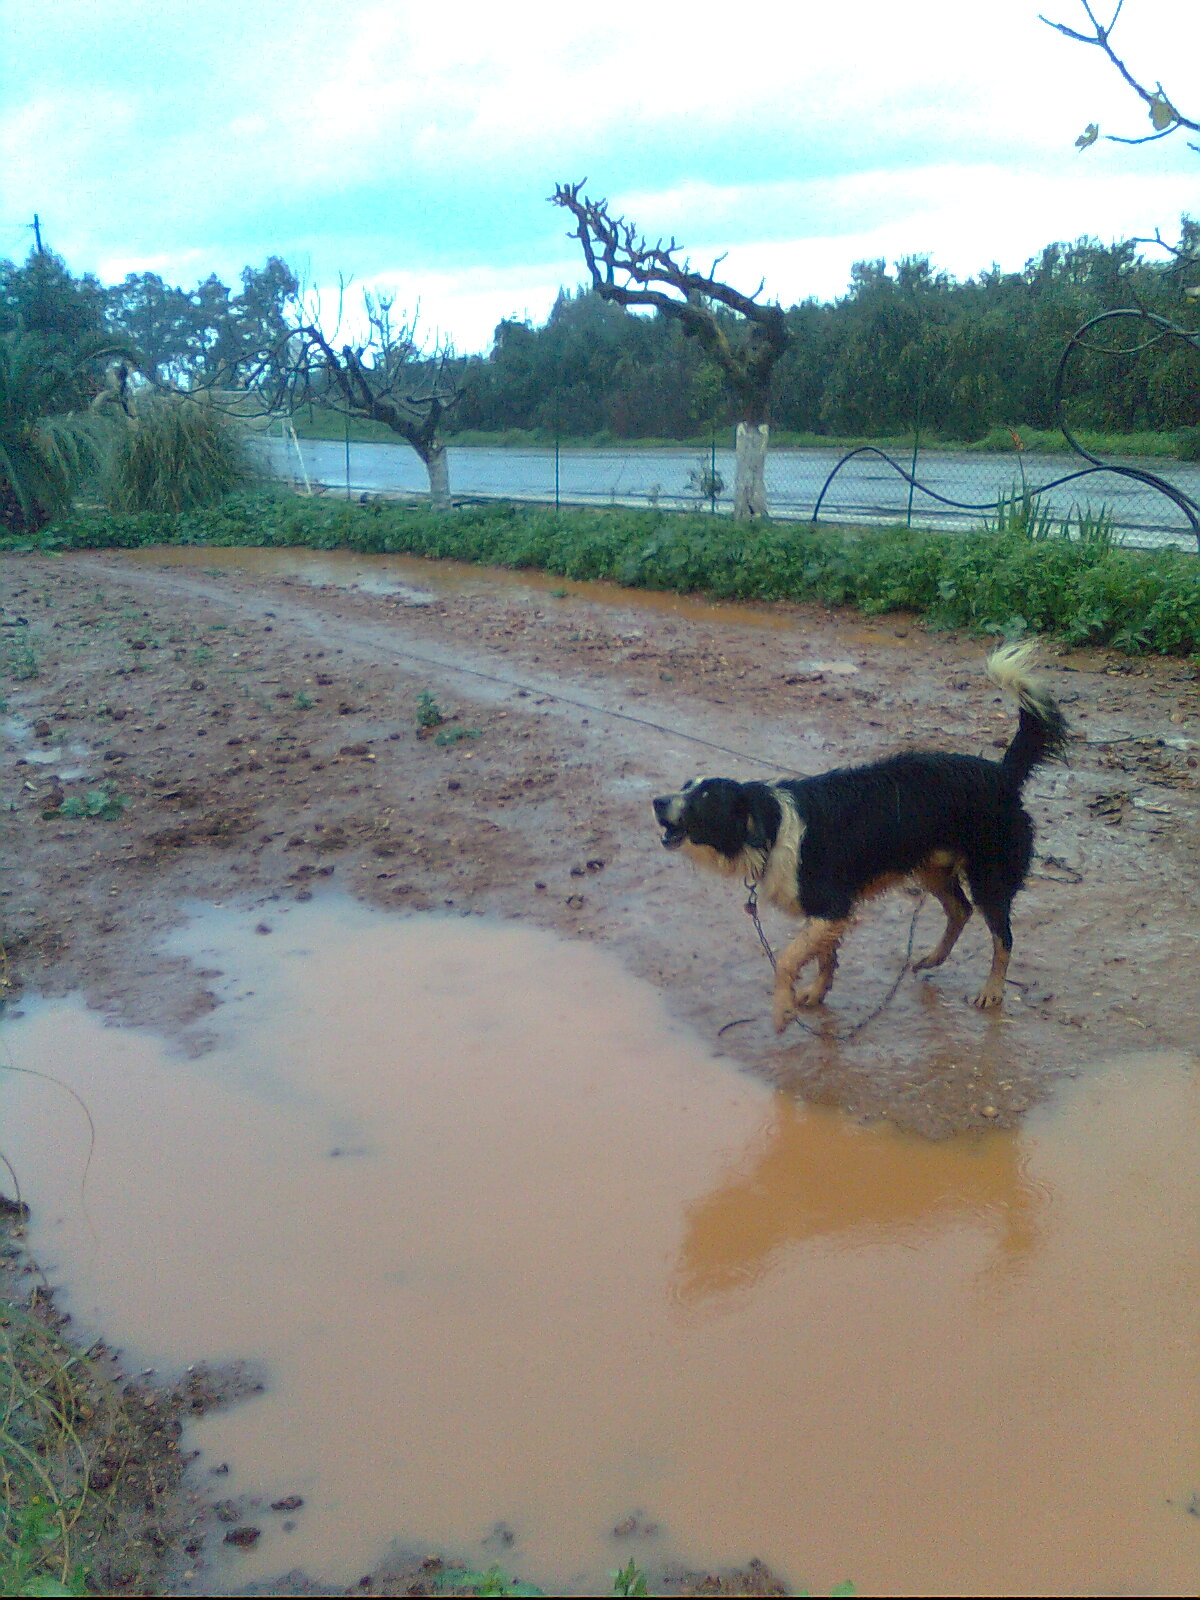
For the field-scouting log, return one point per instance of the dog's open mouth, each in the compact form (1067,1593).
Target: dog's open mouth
(673,836)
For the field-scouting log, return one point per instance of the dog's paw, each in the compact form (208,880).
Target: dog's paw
(990,996)
(813,995)
(927,962)
(783,1012)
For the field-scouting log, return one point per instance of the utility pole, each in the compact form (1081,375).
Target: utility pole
(37,234)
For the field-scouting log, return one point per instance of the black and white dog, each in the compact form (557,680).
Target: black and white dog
(817,847)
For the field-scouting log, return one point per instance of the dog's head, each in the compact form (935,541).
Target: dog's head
(717,814)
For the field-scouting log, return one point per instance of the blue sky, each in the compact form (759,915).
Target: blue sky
(412,146)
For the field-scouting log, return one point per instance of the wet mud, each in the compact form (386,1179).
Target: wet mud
(252,721)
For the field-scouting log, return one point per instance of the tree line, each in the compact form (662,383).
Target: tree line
(902,346)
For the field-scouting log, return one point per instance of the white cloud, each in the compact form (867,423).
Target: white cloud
(372,135)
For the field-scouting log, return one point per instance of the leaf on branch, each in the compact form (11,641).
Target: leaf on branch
(1089,136)
(1162,112)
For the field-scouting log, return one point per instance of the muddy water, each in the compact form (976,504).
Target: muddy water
(515,1248)
(417,582)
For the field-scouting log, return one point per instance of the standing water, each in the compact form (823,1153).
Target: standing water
(512,1246)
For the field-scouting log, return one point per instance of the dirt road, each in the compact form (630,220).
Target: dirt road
(254,719)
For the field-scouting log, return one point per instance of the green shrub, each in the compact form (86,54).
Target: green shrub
(1008,578)
(175,454)
(46,448)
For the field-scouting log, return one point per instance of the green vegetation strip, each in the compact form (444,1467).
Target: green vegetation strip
(1022,575)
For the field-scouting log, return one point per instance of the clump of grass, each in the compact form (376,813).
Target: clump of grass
(20,661)
(49,1397)
(175,454)
(462,1580)
(629,1579)
(454,735)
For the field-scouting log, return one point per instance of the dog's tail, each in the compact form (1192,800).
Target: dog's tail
(1042,730)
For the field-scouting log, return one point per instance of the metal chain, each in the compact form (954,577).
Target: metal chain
(751,909)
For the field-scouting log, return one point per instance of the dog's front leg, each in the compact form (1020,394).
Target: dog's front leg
(817,941)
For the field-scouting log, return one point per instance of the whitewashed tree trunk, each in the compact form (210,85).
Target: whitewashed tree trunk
(438,469)
(750,483)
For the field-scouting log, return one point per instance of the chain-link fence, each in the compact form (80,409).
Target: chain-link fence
(940,489)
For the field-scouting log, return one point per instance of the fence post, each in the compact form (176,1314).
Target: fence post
(347,455)
(556,433)
(912,471)
(712,470)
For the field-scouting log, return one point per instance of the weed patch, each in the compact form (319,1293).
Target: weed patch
(1081,588)
(98,805)
(20,660)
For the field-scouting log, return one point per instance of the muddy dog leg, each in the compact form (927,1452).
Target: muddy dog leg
(817,941)
(943,884)
(997,920)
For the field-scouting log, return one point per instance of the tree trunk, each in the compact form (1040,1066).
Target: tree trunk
(750,488)
(438,469)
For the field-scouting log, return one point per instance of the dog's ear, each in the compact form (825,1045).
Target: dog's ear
(762,816)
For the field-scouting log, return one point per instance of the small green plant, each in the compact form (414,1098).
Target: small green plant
(453,735)
(494,1581)
(202,656)
(20,661)
(101,805)
(629,1579)
(1018,514)
(305,701)
(429,713)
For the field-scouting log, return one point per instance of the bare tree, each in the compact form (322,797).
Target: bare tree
(1165,117)
(627,269)
(385,375)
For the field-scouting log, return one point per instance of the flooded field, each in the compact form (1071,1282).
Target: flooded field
(523,1262)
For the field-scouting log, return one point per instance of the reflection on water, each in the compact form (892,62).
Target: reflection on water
(810,1178)
(514,1247)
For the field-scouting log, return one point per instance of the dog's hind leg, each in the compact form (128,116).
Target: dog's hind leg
(994,886)
(817,941)
(942,882)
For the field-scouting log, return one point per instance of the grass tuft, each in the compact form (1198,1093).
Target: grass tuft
(175,454)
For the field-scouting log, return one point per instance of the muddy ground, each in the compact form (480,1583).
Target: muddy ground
(257,737)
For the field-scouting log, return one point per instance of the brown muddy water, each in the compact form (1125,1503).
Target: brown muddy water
(514,1247)
(414,581)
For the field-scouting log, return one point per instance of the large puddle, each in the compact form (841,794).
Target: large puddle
(515,1248)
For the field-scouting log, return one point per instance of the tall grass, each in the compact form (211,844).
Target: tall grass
(176,454)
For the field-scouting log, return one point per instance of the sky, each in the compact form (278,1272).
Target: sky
(411,147)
